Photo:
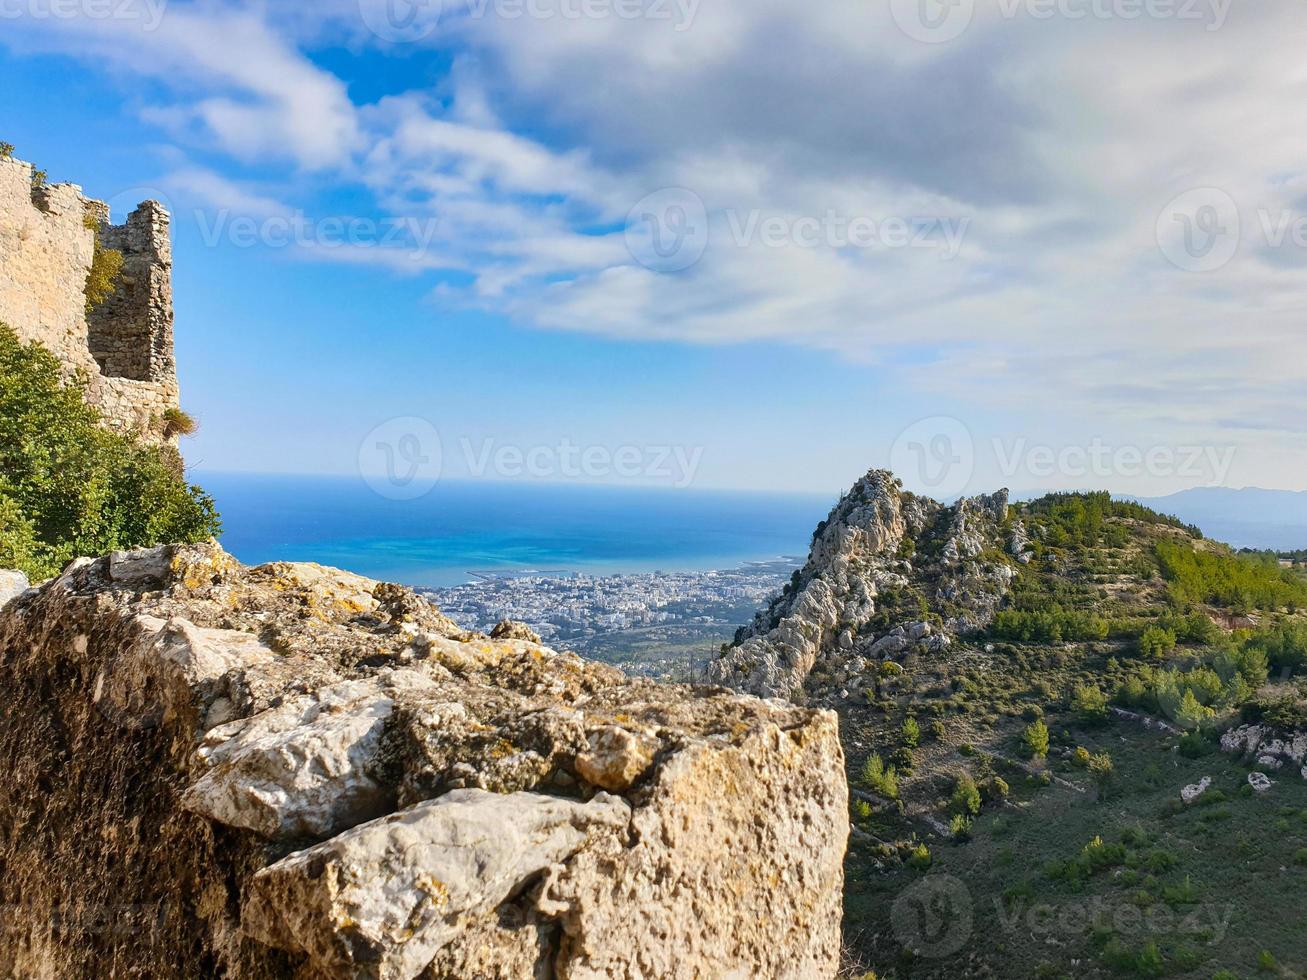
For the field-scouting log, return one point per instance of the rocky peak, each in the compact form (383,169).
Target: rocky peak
(888,571)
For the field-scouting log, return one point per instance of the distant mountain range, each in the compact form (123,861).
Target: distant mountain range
(1246,518)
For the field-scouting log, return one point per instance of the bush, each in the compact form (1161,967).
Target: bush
(919,858)
(178,423)
(879,779)
(1090,704)
(1100,767)
(68,486)
(106,265)
(965,800)
(1267,962)
(994,788)
(1035,738)
(1156,642)
(1195,745)
(960,827)
(911,734)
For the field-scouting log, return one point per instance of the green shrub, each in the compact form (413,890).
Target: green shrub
(911,733)
(106,265)
(1035,738)
(1090,705)
(1195,745)
(994,788)
(919,858)
(1266,962)
(68,486)
(965,800)
(1156,642)
(879,779)
(960,827)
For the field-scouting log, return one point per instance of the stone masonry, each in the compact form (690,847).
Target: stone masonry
(124,347)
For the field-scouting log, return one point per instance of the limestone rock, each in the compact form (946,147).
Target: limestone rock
(380,900)
(509,630)
(296,772)
(616,758)
(1191,793)
(1259,781)
(12,585)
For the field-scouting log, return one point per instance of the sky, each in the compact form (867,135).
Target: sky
(753,244)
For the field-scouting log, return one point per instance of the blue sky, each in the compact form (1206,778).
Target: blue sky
(790,244)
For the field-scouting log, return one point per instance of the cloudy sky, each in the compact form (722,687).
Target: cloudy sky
(1037,243)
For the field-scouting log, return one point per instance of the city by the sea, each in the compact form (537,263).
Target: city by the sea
(463,530)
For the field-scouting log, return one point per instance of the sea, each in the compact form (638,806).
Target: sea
(465,530)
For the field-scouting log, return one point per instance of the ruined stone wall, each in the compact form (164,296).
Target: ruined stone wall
(124,347)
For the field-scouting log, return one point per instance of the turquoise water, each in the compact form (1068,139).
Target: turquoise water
(465,527)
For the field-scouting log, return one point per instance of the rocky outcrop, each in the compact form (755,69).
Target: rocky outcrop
(882,559)
(290,771)
(1268,747)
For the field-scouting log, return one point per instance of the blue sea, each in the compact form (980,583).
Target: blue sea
(463,528)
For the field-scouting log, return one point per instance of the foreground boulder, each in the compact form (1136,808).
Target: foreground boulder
(289,771)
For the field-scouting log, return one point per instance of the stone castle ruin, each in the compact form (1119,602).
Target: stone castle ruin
(124,346)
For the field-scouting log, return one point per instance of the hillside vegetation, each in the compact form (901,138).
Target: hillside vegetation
(68,486)
(1017,796)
